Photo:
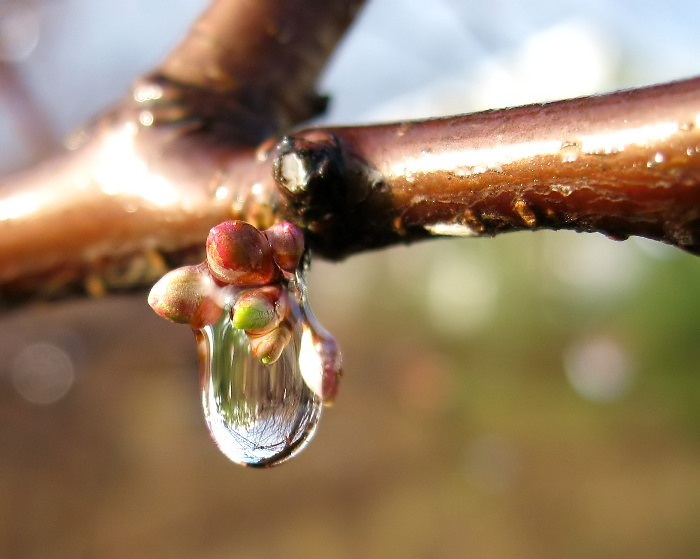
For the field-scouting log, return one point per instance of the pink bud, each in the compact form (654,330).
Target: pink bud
(240,255)
(287,242)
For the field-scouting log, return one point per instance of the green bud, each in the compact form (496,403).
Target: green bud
(253,311)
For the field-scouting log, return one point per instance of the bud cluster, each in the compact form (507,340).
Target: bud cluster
(245,272)
(251,275)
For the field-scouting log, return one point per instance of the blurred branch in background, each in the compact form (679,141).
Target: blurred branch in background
(33,127)
(19,35)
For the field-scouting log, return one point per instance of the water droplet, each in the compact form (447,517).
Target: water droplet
(263,414)
(569,152)
(258,415)
(146,118)
(320,359)
(147,92)
(404,128)
(656,160)
(563,189)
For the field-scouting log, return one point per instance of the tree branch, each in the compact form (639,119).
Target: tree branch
(187,150)
(267,54)
(622,164)
(140,190)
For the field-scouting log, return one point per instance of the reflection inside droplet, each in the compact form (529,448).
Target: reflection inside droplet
(258,415)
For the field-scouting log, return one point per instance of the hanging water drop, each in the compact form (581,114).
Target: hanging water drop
(258,415)
(320,360)
(267,366)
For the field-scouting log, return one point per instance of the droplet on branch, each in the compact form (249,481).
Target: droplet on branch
(266,365)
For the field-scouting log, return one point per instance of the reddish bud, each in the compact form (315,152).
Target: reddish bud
(239,254)
(287,242)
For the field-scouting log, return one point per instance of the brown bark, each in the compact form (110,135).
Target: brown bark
(139,191)
(266,54)
(622,164)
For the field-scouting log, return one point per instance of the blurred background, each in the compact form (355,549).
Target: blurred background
(555,412)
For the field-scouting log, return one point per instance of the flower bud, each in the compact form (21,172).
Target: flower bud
(240,255)
(178,295)
(287,242)
(269,346)
(273,295)
(253,311)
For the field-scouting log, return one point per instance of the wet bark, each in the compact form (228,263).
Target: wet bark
(137,193)
(622,164)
